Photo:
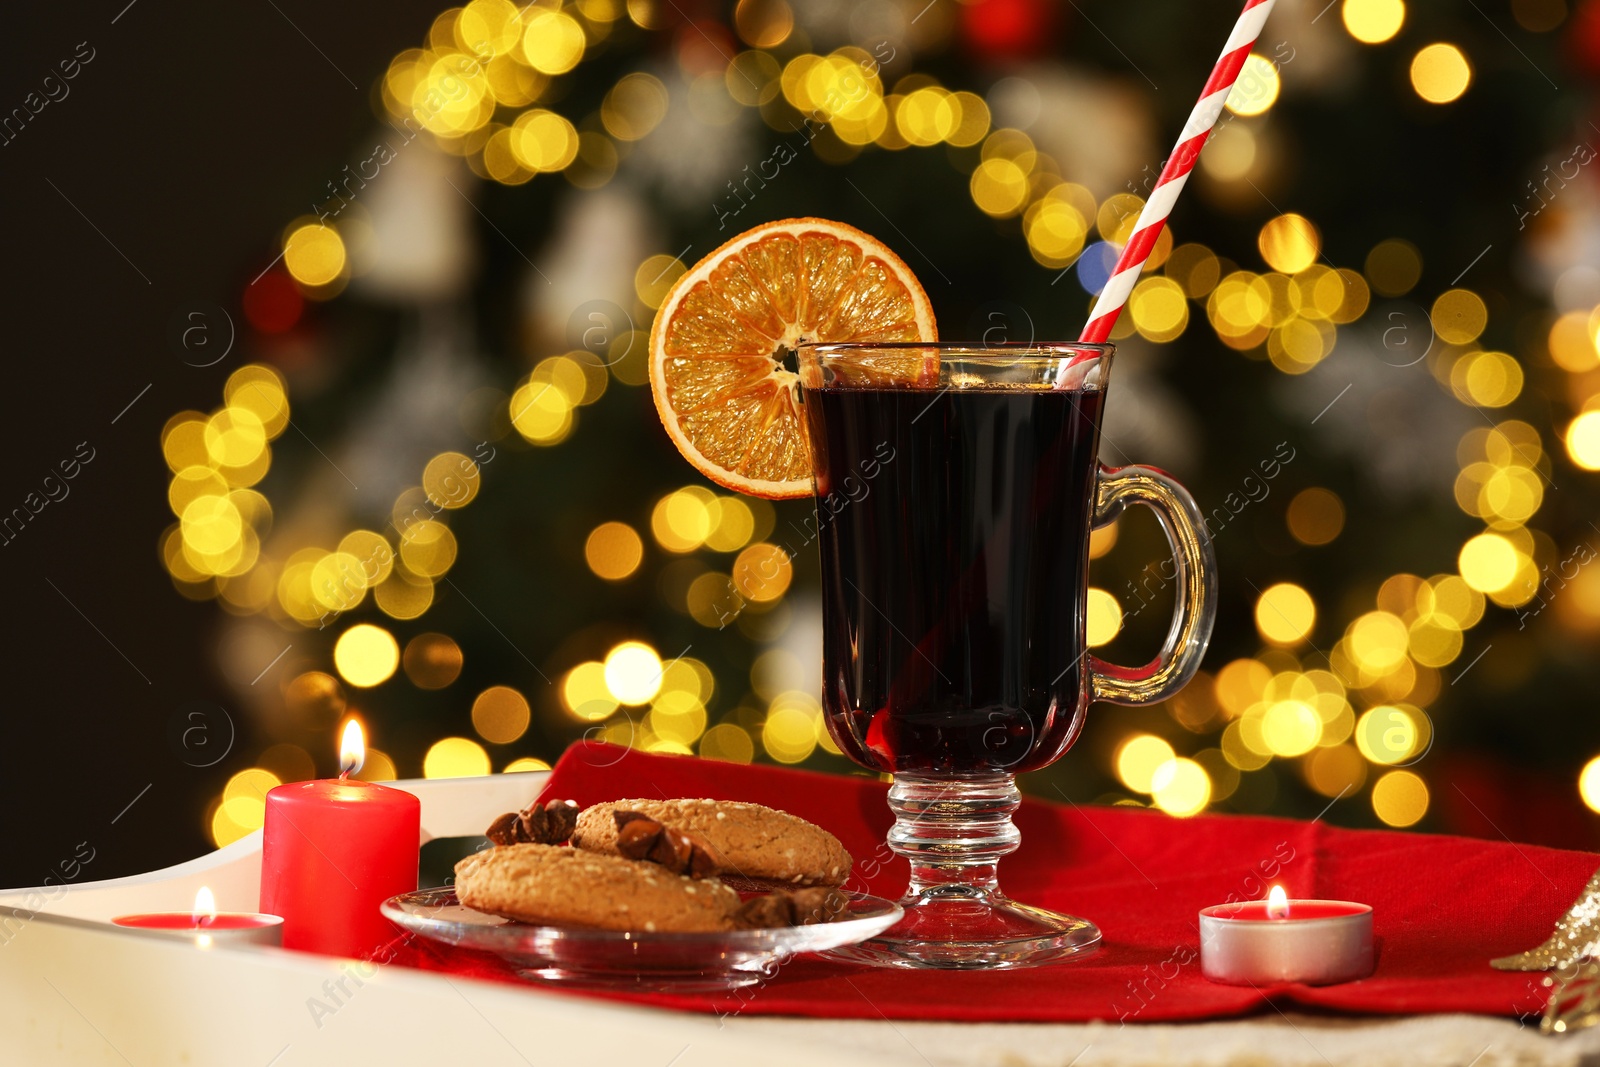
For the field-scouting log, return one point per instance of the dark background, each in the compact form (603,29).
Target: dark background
(193,135)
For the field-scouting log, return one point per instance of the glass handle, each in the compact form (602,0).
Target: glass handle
(1194,574)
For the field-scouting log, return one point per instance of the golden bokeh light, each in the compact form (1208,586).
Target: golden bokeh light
(975,120)
(1393,267)
(260,390)
(1241,683)
(1589,784)
(1315,516)
(1440,73)
(1117,216)
(712,601)
(543,141)
(211,526)
(1288,728)
(525,763)
(288,762)
(613,551)
(552,42)
(681,521)
(338,581)
(451,480)
(1572,342)
(789,733)
(314,254)
(455,757)
(753,78)
(1459,316)
(927,115)
(1138,758)
(1488,562)
(677,716)
(403,596)
(763,23)
(1378,641)
(1486,379)
(1393,734)
(314,698)
(655,278)
(1160,309)
(1400,799)
(427,548)
(1055,230)
(432,661)
(1181,787)
(735,526)
(235,437)
(378,767)
(762,572)
(183,441)
(633,673)
(252,784)
(1257,87)
(1373,21)
(1335,771)
(999,187)
(1583,440)
(1102,617)
(541,413)
(366,655)
(727,742)
(1196,268)
(1289,243)
(585,694)
(1230,153)
(500,714)
(634,107)
(1285,614)
(192,483)
(493,26)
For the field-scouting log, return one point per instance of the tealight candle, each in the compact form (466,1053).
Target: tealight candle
(332,851)
(206,926)
(1258,942)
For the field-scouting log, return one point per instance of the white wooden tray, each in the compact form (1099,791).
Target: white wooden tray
(76,990)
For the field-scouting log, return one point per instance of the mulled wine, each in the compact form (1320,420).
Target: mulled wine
(954,531)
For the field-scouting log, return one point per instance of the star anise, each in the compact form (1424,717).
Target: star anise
(550,823)
(640,837)
(792,907)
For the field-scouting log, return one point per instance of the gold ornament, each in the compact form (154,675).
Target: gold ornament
(1576,937)
(1574,998)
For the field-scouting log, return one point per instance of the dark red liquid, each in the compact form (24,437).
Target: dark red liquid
(954,530)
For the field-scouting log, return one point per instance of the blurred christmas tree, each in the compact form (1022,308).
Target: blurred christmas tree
(1369,350)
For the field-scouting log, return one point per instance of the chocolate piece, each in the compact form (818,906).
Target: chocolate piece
(551,823)
(792,907)
(642,838)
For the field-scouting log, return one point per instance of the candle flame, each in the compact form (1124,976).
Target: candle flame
(352,749)
(205,906)
(1277,903)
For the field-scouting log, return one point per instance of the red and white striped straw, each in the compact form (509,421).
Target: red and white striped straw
(1173,176)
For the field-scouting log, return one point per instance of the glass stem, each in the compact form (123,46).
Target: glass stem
(953,831)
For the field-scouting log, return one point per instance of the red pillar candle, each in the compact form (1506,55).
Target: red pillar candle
(332,851)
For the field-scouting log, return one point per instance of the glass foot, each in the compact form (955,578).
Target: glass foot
(956,928)
(954,830)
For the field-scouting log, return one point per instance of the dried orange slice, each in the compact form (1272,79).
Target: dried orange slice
(720,338)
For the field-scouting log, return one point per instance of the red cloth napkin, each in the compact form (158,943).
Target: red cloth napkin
(1443,906)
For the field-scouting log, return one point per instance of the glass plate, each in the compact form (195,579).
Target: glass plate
(635,961)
